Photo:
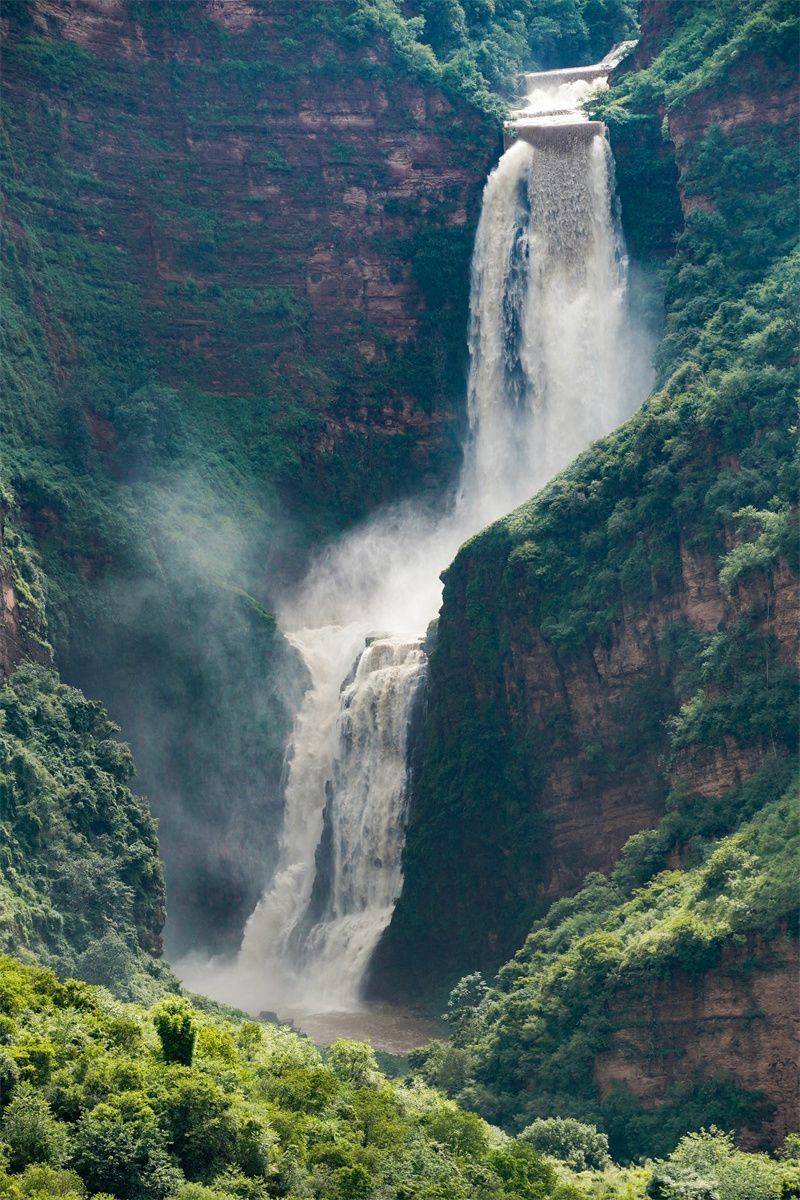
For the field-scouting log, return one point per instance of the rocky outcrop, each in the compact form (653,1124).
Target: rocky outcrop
(291,206)
(742,1018)
(576,751)
(23,633)
(10,634)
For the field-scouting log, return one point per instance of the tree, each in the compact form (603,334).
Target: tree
(202,1131)
(580,1146)
(352,1062)
(464,1007)
(351,1183)
(462,1132)
(31,1131)
(445,25)
(47,1183)
(120,1148)
(176,1027)
(523,1172)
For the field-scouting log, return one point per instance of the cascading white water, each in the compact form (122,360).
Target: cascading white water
(359,870)
(555,362)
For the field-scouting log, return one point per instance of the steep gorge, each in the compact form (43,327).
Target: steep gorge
(624,646)
(614,657)
(235,265)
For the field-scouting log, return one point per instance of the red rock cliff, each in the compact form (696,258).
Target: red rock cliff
(286,200)
(541,762)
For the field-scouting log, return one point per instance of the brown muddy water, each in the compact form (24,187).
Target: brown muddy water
(386,1027)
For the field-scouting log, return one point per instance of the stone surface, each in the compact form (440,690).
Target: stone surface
(743,1025)
(245,146)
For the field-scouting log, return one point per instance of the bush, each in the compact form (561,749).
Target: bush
(32,1133)
(48,1183)
(731,1174)
(581,1147)
(177,1030)
(670,1182)
(523,1172)
(148,426)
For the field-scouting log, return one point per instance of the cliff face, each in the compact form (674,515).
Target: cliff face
(237,239)
(10,632)
(23,626)
(742,1019)
(619,647)
(290,211)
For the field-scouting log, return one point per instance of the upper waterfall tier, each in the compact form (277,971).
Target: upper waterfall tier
(554,110)
(601,70)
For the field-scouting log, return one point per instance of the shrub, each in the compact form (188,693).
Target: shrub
(176,1027)
(351,1183)
(148,426)
(523,1172)
(50,1183)
(581,1147)
(31,1131)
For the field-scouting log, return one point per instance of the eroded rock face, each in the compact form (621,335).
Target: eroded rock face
(578,754)
(22,626)
(741,1024)
(10,634)
(268,179)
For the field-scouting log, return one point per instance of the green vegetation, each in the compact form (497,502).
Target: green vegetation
(162,419)
(94,1102)
(720,46)
(476,48)
(580,1146)
(81,887)
(99,1097)
(726,47)
(526,1046)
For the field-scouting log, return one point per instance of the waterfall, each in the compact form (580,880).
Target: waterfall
(314,930)
(555,362)
(358,872)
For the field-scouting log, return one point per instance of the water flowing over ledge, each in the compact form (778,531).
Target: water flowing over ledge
(556,361)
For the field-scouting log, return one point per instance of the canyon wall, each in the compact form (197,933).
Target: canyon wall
(290,210)
(237,241)
(625,646)
(740,1020)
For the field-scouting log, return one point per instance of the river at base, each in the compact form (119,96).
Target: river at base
(387,1027)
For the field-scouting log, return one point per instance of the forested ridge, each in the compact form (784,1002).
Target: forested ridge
(175,1103)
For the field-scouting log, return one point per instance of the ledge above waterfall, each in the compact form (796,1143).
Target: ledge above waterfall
(600,70)
(544,133)
(539,79)
(553,113)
